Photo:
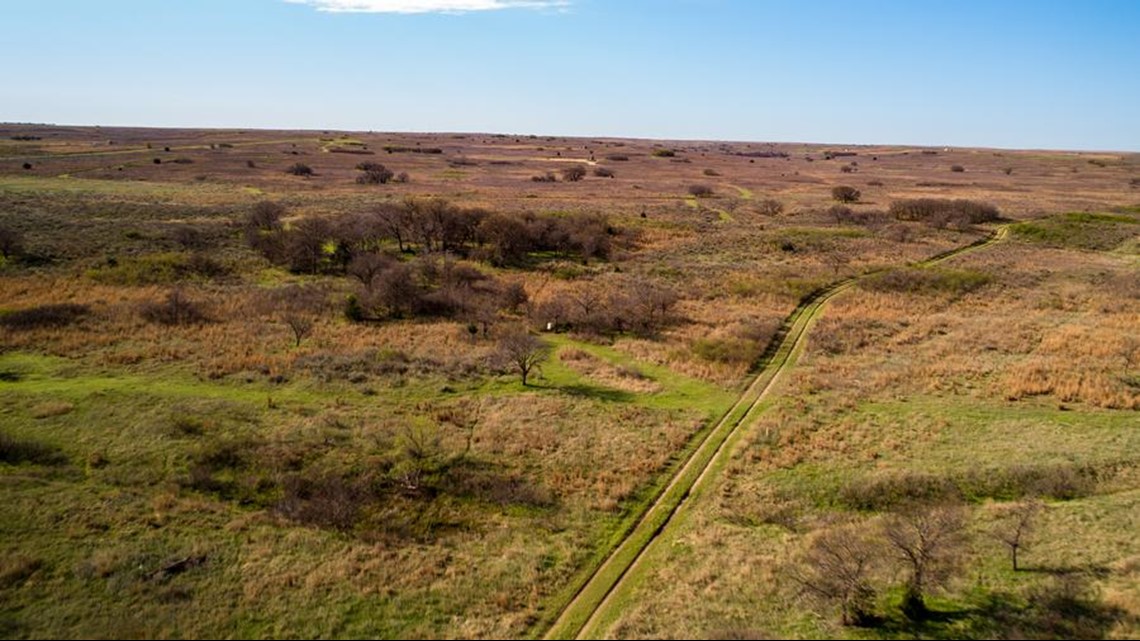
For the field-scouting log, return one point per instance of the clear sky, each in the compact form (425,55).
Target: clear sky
(998,73)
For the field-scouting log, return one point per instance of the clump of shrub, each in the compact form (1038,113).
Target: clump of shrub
(845,194)
(16,450)
(769,207)
(664,153)
(957,169)
(886,491)
(548,177)
(299,169)
(574,174)
(42,316)
(700,191)
(711,172)
(624,158)
(176,309)
(940,212)
(1081,230)
(603,172)
(402,149)
(930,280)
(157,269)
(374,173)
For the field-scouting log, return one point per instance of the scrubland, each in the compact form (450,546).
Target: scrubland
(242,399)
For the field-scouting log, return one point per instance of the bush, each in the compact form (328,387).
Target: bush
(177,309)
(957,169)
(574,174)
(664,153)
(770,207)
(931,280)
(845,194)
(617,157)
(603,172)
(941,212)
(548,177)
(300,169)
(711,172)
(44,316)
(15,451)
(377,174)
(700,191)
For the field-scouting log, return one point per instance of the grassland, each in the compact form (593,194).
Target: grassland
(394,479)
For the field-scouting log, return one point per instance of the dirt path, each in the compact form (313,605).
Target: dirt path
(588,607)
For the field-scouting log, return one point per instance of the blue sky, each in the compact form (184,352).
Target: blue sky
(994,73)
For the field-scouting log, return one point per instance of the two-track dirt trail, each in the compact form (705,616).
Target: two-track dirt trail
(585,610)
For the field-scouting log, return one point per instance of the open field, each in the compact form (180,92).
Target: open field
(244,426)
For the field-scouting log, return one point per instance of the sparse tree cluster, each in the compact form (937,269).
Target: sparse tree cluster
(424,226)
(612,306)
(943,212)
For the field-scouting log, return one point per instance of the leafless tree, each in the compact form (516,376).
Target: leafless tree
(300,324)
(395,222)
(928,543)
(836,569)
(523,351)
(306,244)
(1014,527)
(366,267)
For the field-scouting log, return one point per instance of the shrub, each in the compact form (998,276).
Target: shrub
(548,177)
(574,174)
(941,212)
(11,242)
(617,157)
(43,316)
(845,194)
(176,309)
(916,280)
(377,175)
(401,177)
(300,169)
(664,153)
(14,451)
(957,169)
(711,172)
(603,172)
(770,207)
(700,191)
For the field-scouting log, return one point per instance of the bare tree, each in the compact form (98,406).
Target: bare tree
(396,223)
(836,570)
(523,351)
(300,324)
(366,267)
(1014,526)
(928,543)
(574,173)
